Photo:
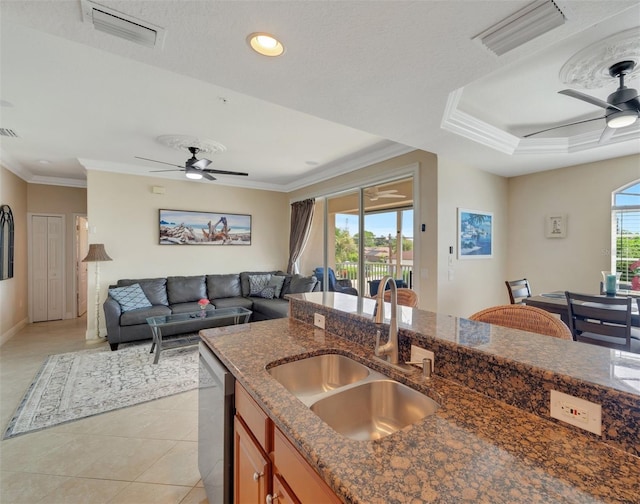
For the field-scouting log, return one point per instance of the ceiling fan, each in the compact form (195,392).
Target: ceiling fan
(195,168)
(622,107)
(373,193)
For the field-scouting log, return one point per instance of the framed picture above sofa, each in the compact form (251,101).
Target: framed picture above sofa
(183,227)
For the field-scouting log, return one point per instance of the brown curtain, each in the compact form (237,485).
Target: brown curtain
(301,218)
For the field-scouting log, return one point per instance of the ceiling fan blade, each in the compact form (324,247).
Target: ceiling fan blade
(201,164)
(155,161)
(207,176)
(607,133)
(225,172)
(563,126)
(587,98)
(158,171)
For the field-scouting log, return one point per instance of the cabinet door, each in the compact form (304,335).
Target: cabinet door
(252,469)
(281,493)
(299,476)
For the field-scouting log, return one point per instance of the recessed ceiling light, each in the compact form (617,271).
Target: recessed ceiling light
(44,161)
(265,44)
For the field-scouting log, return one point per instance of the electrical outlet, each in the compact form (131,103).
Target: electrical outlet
(576,411)
(417,354)
(318,320)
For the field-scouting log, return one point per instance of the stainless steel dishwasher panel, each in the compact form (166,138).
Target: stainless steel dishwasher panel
(215,427)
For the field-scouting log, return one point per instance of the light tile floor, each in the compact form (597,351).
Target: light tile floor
(142,454)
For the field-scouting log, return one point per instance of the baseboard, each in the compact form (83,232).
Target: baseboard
(6,336)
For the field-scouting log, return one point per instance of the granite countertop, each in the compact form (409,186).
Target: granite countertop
(473,448)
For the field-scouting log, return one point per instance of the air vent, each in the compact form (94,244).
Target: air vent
(526,24)
(6,132)
(121,25)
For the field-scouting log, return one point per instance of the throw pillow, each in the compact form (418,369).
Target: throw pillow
(130,297)
(257,283)
(276,282)
(267,293)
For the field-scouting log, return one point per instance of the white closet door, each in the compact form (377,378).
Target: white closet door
(54,250)
(39,273)
(46,268)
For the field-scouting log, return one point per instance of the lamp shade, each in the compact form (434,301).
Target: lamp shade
(97,253)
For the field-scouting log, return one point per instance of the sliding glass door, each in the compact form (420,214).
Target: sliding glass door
(368,234)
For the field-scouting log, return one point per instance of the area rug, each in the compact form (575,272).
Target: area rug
(77,385)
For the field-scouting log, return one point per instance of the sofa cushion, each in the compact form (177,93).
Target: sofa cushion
(285,283)
(130,297)
(301,284)
(137,317)
(184,289)
(234,302)
(271,308)
(277,282)
(154,288)
(244,280)
(223,286)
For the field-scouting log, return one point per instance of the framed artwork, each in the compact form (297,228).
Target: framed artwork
(180,227)
(475,234)
(556,226)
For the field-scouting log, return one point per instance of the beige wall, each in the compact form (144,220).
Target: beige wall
(581,192)
(425,243)
(13,291)
(123,214)
(67,201)
(473,284)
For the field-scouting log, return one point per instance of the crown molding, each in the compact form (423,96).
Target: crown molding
(468,126)
(58,181)
(381,151)
(378,153)
(14,167)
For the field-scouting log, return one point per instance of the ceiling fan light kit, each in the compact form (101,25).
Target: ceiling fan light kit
(622,106)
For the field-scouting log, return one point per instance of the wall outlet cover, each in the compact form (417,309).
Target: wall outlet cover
(575,411)
(417,354)
(318,320)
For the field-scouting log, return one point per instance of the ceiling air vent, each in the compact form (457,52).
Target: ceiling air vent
(526,24)
(121,25)
(6,132)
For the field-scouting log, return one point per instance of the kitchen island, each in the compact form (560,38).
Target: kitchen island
(476,447)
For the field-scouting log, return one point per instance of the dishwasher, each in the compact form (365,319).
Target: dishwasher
(215,427)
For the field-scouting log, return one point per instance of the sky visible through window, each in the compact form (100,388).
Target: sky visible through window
(380,224)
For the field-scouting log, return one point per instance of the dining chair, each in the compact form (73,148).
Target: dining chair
(518,290)
(603,321)
(525,318)
(406,297)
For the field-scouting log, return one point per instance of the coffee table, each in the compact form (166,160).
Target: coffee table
(236,315)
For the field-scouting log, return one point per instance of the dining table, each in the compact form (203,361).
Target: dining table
(556,302)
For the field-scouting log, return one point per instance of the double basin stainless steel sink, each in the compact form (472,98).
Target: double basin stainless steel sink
(351,398)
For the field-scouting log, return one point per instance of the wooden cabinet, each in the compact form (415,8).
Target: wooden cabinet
(252,468)
(267,467)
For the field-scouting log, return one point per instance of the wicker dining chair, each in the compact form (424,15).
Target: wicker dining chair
(406,297)
(526,318)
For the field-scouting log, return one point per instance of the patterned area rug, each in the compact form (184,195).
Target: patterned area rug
(77,385)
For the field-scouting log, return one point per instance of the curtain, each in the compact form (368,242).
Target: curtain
(301,218)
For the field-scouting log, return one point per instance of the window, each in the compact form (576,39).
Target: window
(626,240)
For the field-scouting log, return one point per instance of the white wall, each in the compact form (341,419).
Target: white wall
(581,192)
(123,214)
(474,284)
(13,291)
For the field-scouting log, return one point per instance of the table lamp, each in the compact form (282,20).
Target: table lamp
(97,254)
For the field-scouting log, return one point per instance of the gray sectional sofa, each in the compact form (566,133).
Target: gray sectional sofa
(180,294)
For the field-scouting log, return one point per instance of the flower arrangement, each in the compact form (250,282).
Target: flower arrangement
(202,303)
(635,280)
